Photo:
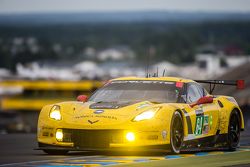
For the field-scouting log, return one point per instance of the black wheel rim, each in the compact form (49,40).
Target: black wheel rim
(177,133)
(234,130)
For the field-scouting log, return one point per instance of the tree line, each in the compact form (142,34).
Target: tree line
(173,41)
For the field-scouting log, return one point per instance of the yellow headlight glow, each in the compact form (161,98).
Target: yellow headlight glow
(146,115)
(55,113)
(130,136)
(59,135)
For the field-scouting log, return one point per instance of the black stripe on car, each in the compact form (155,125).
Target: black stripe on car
(189,123)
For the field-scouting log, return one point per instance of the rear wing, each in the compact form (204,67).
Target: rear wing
(212,83)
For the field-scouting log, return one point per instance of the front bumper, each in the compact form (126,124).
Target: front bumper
(152,148)
(85,139)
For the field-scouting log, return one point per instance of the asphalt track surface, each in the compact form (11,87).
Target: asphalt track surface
(18,150)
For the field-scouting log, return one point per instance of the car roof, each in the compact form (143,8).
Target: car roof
(171,79)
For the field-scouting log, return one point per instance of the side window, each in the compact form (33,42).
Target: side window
(201,90)
(193,93)
(205,92)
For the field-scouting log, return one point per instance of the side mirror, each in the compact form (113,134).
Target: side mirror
(82,98)
(203,100)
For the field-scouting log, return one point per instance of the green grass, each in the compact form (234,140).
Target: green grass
(228,159)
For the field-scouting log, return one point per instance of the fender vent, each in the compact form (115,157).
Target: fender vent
(220,104)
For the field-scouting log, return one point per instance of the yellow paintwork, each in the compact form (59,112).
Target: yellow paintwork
(75,115)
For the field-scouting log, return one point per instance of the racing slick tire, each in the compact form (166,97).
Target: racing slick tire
(176,133)
(233,131)
(56,152)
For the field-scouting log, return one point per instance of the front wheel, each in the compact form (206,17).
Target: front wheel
(56,152)
(233,131)
(176,133)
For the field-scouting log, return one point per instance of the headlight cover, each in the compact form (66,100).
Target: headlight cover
(130,136)
(148,114)
(55,113)
(59,135)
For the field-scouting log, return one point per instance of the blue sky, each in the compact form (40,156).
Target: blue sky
(38,6)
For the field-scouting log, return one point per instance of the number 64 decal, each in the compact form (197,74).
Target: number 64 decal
(199,125)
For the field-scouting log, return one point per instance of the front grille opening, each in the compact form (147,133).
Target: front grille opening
(92,138)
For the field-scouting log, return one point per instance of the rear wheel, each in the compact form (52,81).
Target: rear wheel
(233,130)
(176,133)
(56,152)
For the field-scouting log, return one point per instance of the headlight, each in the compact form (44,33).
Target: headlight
(130,136)
(148,114)
(55,113)
(59,135)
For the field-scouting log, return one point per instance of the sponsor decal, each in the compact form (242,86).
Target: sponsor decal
(47,128)
(97,116)
(189,137)
(206,120)
(98,111)
(96,106)
(199,125)
(164,134)
(199,112)
(206,125)
(143,81)
(179,84)
(106,116)
(211,121)
(203,124)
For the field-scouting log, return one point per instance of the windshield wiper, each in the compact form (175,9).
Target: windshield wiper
(99,102)
(106,102)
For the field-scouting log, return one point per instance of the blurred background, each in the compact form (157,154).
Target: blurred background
(54,50)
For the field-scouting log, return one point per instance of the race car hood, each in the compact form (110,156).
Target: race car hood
(91,113)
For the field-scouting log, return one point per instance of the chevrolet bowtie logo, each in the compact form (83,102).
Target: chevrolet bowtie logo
(92,122)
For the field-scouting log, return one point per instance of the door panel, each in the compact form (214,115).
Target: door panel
(210,122)
(204,118)
(201,120)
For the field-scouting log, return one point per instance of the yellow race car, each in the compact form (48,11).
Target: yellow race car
(134,113)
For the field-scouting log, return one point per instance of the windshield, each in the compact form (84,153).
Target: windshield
(136,91)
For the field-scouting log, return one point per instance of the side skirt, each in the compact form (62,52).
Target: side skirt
(215,142)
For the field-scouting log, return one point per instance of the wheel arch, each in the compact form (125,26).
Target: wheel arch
(233,138)
(184,121)
(182,115)
(171,110)
(241,117)
(231,105)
